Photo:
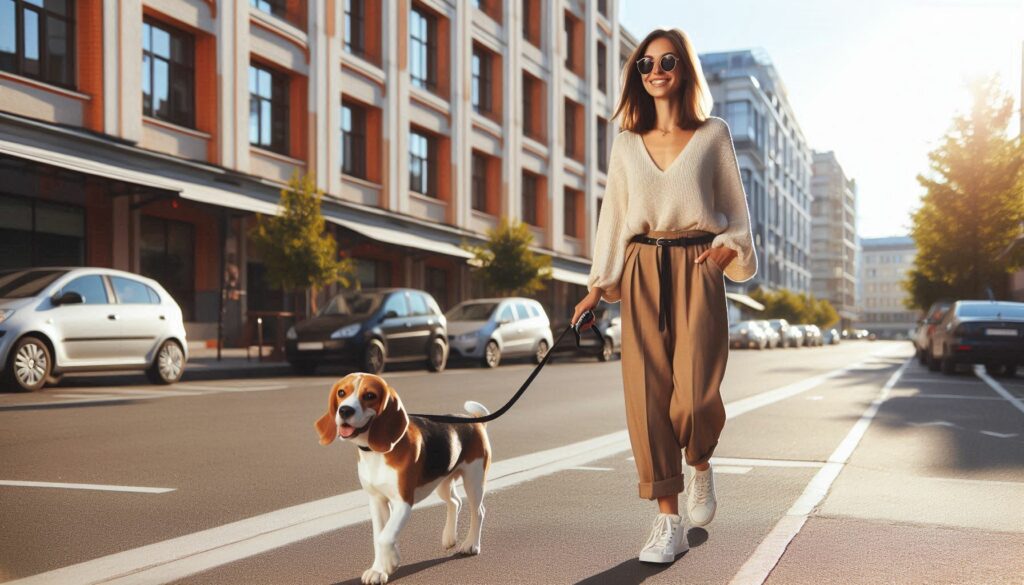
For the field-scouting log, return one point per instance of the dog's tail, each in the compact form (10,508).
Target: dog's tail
(475,408)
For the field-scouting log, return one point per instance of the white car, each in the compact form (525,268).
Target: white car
(487,330)
(58,320)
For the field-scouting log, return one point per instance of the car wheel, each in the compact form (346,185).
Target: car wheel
(922,358)
(303,368)
(607,350)
(948,366)
(437,356)
(492,354)
(374,357)
(28,366)
(542,350)
(168,365)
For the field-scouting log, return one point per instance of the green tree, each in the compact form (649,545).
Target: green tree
(973,206)
(505,263)
(296,249)
(795,308)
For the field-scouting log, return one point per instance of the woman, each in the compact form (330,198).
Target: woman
(674,221)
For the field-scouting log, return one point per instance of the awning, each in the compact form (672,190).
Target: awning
(570,276)
(395,234)
(745,300)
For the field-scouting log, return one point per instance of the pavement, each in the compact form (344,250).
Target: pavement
(843,464)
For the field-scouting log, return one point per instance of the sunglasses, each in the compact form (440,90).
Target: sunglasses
(646,64)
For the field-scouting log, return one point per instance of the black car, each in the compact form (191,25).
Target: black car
(607,321)
(369,328)
(979,332)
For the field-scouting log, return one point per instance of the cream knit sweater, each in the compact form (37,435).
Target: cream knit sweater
(700,190)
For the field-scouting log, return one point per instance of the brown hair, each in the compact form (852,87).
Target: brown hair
(636,106)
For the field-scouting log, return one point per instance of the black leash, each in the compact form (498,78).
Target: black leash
(587,317)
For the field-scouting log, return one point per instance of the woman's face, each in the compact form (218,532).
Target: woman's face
(660,83)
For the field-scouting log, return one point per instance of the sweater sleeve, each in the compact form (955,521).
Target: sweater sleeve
(731,200)
(611,237)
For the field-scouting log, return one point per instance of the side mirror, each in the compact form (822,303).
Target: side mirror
(391,314)
(504,321)
(69,298)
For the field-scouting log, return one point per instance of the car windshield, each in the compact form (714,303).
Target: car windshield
(352,303)
(1003,310)
(472,312)
(20,284)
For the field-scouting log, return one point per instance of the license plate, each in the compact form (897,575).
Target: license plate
(1008,332)
(310,345)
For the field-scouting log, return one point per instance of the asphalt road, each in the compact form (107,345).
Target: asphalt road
(842,464)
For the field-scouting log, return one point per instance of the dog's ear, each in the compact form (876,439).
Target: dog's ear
(326,425)
(390,423)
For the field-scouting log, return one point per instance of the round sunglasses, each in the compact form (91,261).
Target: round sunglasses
(646,64)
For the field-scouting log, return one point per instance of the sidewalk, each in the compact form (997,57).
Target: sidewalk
(203,364)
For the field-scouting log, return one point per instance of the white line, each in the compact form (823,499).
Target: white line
(186,555)
(766,556)
(949,396)
(585,468)
(87,486)
(765,462)
(937,380)
(979,371)
(733,469)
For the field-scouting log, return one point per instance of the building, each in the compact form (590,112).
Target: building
(885,264)
(147,135)
(834,236)
(775,163)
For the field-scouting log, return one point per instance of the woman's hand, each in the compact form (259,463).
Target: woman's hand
(721,255)
(587,304)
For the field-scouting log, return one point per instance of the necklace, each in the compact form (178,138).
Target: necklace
(665,133)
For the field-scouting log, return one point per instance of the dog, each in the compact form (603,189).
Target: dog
(402,459)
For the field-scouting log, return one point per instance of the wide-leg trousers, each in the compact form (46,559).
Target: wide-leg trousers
(671,378)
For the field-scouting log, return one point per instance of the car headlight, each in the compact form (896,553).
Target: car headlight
(346,331)
(5,314)
(291,334)
(467,336)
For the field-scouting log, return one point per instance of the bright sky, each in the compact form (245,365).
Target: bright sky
(877,81)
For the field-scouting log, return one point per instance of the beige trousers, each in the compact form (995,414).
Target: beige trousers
(671,379)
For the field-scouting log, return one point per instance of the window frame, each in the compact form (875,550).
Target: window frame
(279,115)
(186,71)
(355,21)
(353,141)
(428,45)
(529,194)
(428,184)
(478,180)
(482,84)
(43,16)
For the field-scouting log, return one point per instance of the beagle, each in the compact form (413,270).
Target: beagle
(403,458)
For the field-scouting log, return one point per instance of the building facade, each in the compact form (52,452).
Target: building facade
(833,236)
(775,163)
(885,264)
(147,135)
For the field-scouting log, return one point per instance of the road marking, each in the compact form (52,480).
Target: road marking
(766,462)
(732,469)
(585,468)
(767,555)
(949,396)
(935,423)
(937,380)
(87,486)
(980,372)
(998,435)
(186,555)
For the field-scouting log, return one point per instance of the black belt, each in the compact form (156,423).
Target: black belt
(665,267)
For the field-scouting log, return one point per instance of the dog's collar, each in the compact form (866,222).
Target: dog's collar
(364,448)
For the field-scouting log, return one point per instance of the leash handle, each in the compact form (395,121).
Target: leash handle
(482,419)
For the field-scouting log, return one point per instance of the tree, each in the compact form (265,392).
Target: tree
(795,308)
(505,264)
(973,206)
(298,252)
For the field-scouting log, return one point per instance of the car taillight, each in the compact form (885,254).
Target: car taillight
(964,330)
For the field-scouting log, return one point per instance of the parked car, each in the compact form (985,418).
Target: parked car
(369,329)
(926,327)
(59,320)
(790,336)
(774,339)
(489,330)
(747,335)
(831,336)
(607,320)
(811,335)
(979,332)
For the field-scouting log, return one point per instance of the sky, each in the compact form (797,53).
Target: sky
(876,81)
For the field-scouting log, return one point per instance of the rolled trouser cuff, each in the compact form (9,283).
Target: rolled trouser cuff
(661,488)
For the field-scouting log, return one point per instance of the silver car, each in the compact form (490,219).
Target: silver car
(487,330)
(747,335)
(57,320)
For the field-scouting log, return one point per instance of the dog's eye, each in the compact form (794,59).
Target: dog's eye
(341,393)
(369,396)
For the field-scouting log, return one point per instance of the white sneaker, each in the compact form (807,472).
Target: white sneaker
(668,539)
(700,499)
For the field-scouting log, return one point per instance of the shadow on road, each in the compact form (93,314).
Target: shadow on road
(632,571)
(406,570)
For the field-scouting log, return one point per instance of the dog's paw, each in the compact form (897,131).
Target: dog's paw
(388,557)
(448,539)
(374,576)
(468,548)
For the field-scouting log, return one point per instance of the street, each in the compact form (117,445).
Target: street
(840,464)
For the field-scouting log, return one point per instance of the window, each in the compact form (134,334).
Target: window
(417,306)
(533,107)
(91,287)
(278,8)
(423,49)
(479,181)
(396,302)
(355,21)
(602,7)
(569,212)
(573,147)
(527,17)
(602,144)
(38,233)
(168,74)
(524,313)
(436,283)
(353,140)
(481,89)
(506,314)
(268,109)
(570,53)
(530,195)
(421,175)
(37,39)
(602,67)
(167,255)
(741,120)
(133,292)
(373,273)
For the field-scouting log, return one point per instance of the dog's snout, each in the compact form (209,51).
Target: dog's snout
(346,411)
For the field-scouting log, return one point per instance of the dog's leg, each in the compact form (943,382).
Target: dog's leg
(379,514)
(387,541)
(446,491)
(474,482)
